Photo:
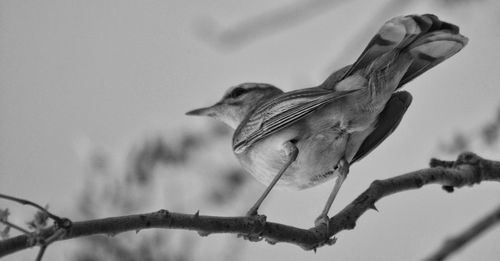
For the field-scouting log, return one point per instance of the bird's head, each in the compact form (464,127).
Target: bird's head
(237,102)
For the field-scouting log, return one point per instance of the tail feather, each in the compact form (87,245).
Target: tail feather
(427,39)
(431,50)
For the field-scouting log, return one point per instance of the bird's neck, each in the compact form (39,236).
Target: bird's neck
(234,118)
(237,116)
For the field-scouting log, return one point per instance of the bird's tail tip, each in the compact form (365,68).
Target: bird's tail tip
(426,36)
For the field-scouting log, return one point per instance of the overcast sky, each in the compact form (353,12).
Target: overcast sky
(109,71)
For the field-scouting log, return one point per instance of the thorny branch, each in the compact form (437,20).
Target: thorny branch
(467,170)
(34,238)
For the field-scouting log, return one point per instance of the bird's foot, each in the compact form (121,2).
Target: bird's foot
(322,228)
(322,221)
(256,224)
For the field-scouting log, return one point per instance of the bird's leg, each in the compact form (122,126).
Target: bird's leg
(343,169)
(291,153)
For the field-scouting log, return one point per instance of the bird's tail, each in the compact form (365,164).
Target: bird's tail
(427,39)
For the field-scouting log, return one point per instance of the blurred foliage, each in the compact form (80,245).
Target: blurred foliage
(486,136)
(39,220)
(454,3)
(4,229)
(178,171)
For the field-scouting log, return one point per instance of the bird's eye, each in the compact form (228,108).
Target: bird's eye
(237,92)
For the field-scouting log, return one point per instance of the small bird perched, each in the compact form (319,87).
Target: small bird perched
(301,138)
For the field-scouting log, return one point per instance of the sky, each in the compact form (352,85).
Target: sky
(110,71)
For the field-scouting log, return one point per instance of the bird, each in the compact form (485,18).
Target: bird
(302,138)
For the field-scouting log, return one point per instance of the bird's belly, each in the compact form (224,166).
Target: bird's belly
(318,155)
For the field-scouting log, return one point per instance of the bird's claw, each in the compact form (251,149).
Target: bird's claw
(321,230)
(322,226)
(256,225)
(252,212)
(322,221)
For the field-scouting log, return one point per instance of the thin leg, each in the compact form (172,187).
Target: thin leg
(343,168)
(291,152)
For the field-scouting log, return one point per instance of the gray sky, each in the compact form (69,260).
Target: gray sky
(112,70)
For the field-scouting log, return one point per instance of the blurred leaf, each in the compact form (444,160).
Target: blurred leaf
(490,133)
(5,232)
(39,220)
(4,214)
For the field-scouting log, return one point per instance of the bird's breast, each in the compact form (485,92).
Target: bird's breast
(319,153)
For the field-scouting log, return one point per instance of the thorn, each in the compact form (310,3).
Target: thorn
(372,206)
(351,225)
(197,215)
(111,234)
(203,233)
(137,231)
(448,189)
(315,250)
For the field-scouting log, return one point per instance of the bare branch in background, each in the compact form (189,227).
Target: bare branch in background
(453,244)
(467,170)
(453,3)
(265,24)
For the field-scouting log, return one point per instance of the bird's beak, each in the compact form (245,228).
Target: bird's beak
(207,111)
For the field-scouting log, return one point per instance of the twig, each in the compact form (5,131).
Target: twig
(61,225)
(453,244)
(33,204)
(14,226)
(41,252)
(468,169)
(56,236)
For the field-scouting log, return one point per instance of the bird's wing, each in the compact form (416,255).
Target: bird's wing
(280,112)
(387,122)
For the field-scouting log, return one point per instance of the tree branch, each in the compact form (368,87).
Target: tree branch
(453,244)
(468,169)
(267,23)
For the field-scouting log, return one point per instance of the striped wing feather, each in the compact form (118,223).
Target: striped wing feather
(281,112)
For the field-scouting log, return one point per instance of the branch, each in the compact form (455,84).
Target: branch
(33,204)
(38,223)
(468,169)
(453,244)
(267,23)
